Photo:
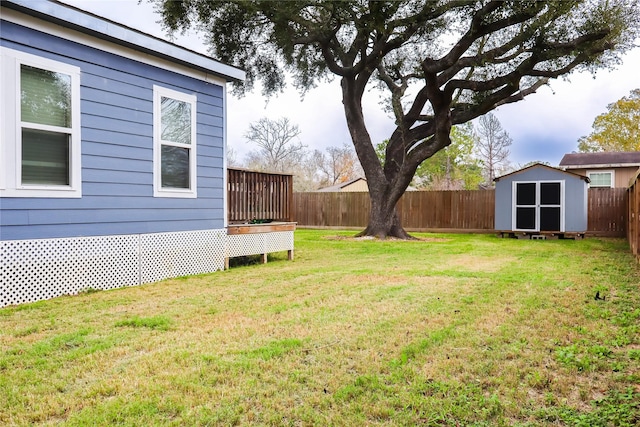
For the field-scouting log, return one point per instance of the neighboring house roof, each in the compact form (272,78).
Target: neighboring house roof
(339,187)
(601,160)
(540,165)
(87,23)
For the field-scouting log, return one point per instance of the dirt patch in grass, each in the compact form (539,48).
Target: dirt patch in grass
(388,239)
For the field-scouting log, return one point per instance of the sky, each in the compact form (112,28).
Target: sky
(544,126)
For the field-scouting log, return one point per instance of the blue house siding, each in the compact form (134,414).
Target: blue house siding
(110,228)
(575,196)
(117,150)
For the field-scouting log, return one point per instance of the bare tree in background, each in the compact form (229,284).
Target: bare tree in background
(493,146)
(337,165)
(232,158)
(279,148)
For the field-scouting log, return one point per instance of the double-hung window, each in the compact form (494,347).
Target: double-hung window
(174,143)
(601,178)
(40,137)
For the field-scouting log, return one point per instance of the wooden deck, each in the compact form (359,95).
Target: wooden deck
(261,239)
(259,213)
(271,227)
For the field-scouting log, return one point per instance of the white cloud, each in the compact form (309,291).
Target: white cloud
(565,112)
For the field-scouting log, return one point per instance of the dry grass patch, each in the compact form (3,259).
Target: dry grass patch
(489,263)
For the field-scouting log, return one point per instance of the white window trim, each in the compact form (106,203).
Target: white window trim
(11,134)
(514,206)
(158,190)
(613,177)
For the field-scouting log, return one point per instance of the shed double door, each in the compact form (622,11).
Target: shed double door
(538,206)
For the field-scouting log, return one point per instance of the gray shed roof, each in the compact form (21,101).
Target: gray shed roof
(600,160)
(105,29)
(540,165)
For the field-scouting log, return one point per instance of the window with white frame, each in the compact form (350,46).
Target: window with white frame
(601,178)
(174,130)
(40,137)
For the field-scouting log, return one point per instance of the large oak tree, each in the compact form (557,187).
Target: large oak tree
(441,63)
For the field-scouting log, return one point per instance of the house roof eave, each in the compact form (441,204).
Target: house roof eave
(603,166)
(85,22)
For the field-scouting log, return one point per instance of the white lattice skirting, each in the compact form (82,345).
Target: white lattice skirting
(259,243)
(33,270)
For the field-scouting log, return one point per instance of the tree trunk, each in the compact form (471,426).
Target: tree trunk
(384,191)
(383,223)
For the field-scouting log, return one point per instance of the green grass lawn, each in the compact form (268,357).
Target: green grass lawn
(449,330)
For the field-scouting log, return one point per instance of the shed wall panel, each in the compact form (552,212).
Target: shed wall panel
(117,150)
(504,200)
(576,199)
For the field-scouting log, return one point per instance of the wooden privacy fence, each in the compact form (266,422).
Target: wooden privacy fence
(451,210)
(607,212)
(472,211)
(327,209)
(418,210)
(633,226)
(258,196)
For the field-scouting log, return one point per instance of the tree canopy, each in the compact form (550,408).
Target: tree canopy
(455,167)
(616,130)
(440,63)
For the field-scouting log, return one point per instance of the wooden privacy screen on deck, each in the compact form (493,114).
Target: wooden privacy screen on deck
(447,210)
(258,196)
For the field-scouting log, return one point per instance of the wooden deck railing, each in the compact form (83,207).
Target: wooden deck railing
(258,196)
